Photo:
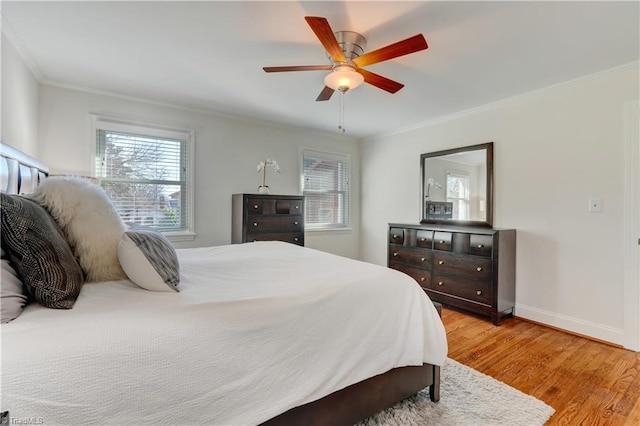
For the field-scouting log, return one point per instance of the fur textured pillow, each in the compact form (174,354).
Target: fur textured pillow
(89,221)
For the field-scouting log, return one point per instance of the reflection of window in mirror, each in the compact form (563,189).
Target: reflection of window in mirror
(458,193)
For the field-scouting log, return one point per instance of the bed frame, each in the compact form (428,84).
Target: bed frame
(21,173)
(361,400)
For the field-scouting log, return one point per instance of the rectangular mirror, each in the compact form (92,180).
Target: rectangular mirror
(457,186)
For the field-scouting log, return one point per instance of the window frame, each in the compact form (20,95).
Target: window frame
(100,122)
(330,156)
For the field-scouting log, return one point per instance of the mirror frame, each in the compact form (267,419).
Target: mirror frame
(488,223)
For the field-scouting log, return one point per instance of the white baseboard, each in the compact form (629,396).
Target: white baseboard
(573,325)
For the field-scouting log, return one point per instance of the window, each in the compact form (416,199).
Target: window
(146,171)
(458,193)
(325,185)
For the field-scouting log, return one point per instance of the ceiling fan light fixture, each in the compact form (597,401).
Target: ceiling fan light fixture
(343,78)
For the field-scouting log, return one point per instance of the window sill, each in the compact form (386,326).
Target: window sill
(180,236)
(329,230)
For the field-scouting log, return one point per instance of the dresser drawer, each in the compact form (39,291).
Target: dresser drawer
(260,224)
(409,256)
(476,290)
(424,239)
(462,266)
(255,205)
(422,276)
(289,207)
(481,245)
(396,236)
(287,237)
(442,241)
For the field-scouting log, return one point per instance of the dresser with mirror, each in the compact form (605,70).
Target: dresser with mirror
(454,253)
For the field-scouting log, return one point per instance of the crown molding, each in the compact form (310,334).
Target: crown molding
(14,40)
(512,100)
(203,111)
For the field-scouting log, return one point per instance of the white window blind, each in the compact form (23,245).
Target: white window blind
(325,182)
(146,173)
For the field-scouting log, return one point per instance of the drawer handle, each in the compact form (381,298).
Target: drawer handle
(423,239)
(480,245)
(255,223)
(395,254)
(255,206)
(478,292)
(440,262)
(423,259)
(295,239)
(423,279)
(479,268)
(441,241)
(295,222)
(395,237)
(297,207)
(440,282)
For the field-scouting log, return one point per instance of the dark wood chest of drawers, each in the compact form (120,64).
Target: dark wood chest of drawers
(466,267)
(261,217)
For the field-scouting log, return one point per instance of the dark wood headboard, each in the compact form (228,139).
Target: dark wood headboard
(19,172)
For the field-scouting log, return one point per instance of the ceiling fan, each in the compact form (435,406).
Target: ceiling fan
(345,49)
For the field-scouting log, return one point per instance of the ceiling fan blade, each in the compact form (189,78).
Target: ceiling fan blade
(380,82)
(325,95)
(401,48)
(323,31)
(298,68)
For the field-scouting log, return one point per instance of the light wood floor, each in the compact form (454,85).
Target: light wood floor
(587,382)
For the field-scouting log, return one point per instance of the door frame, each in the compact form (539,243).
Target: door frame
(631,225)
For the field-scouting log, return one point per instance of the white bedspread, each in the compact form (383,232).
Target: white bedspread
(256,329)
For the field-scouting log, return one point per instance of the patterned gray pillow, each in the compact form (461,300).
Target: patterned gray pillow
(39,252)
(149,260)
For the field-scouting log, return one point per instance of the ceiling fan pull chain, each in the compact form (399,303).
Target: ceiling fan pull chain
(341,119)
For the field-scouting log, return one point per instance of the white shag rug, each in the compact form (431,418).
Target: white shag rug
(467,397)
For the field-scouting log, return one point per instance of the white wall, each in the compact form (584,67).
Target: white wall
(553,150)
(227,152)
(19,115)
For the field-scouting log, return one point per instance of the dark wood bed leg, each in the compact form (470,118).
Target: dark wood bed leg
(434,388)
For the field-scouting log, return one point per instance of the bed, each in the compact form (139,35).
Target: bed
(259,333)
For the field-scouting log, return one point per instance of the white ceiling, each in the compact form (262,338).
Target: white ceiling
(209,55)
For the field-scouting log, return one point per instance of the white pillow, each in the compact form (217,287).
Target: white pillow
(149,260)
(89,221)
(12,297)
